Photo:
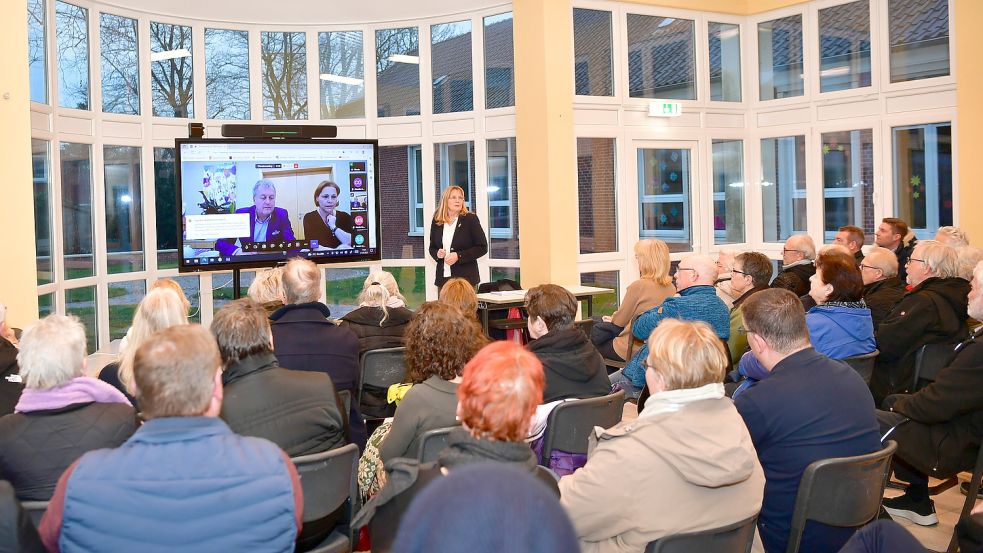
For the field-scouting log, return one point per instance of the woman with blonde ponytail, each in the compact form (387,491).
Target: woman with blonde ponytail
(382,316)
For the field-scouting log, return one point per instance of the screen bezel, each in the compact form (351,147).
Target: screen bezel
(245,264)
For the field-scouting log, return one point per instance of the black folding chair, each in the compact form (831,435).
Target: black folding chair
(571,423)
(19,533)
(432,443)
(380,369)
(329,482)
(863,364)
(929,360)
(35,510)
(733,538)
(844,492)
(974,489)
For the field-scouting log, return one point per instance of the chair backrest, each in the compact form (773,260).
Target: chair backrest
(863,364)
(733,538)
(571,422)
(35,510)
(382,368)
(844,491)
(328,480)
(346,400)
(432,443)
(929,360)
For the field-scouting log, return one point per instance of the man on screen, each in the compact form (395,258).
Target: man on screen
(267,223)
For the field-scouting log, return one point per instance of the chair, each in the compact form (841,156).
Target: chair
(844,491)
(329,482)
(19,533)
(929,360)
(35,510)
(733,538)
(346,400)
(380,368)
(863,364)
(571,422)
(432,443)
(974,488)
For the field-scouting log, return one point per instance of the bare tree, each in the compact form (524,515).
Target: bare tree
(72,28)
(171,79)
(227,74)
(120,68)
(284,61)
(341,55)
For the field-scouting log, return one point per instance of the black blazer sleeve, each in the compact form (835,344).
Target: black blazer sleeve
(436,239)
(471,244)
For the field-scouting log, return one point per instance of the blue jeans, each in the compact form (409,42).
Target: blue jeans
(623,382)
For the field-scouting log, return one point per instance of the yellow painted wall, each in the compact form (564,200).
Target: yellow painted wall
(969,119)
(18,277)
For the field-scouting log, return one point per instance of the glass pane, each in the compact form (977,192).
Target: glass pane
(124,209)
(284,62)
(166,208)
(783,187)
(399,167)
(222,287)
(412,284)
(604,304)
(123,300)
(343,287)
(76,209)
(780,58)
(46,305)
(499,62)
(454,167)
(923,176)
(453,82)
(190,287)
(597,195)
(661,57)
(592,53)
(81,302)
(397,71)
(919,32)
(37,51)
(503,199)
(120,67)
(725,62)
(342,75)
(226,74)
(170,70)
(728,191)
(844,46)
(72,36)
(40,162)
(499,273)
(848,182)
(663,193)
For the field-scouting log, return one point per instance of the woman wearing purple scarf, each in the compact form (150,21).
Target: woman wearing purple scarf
(61,413)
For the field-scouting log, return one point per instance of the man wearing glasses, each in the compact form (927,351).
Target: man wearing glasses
(933,312)
(797,256)
(882,287)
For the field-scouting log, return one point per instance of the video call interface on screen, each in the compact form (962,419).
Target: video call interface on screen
(249,203)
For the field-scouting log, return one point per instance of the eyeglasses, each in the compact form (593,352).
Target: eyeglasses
(685,269)
(786,250)
(740,272)
(871,267)
(910,259)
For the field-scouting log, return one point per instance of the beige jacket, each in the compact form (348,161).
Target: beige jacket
(641,295)
(673,472)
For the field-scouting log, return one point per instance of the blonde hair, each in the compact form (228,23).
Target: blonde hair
(653,261)
(171,284)
(969,257)
(459,293)
(686,354)
(301,281)
(161,308)
(441,216)
(952,236)
(940,258)
(267,286)
(52,352)
(378,288)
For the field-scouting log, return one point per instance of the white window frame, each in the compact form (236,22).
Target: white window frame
(502,232)
(415,190)
(855,192)
(931,175)
(685,197)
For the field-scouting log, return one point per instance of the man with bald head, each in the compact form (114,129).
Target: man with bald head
(696,301)
(798,253)
(882,287)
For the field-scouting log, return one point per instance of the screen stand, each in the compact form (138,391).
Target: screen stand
(236,279)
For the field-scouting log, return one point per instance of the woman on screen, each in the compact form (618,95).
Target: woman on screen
(328,225)
(456,239)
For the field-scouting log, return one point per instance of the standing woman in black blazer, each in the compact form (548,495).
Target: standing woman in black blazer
(453,224)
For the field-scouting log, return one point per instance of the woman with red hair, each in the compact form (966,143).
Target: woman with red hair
(499,393)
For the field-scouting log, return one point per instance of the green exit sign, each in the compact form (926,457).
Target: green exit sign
(659,108)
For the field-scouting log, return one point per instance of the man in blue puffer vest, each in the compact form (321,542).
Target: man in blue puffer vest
(184,481)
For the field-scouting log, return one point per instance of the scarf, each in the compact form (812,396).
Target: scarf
(860,304)
(82,389)
(673,400)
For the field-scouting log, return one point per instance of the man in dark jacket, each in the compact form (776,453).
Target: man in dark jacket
(10,381)
(797,256)
(305,340)
(933,312)
(894,234)
(572,365)
(938,428)
(882,287)
(296,410)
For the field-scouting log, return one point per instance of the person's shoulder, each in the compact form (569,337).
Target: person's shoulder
(310,215)
(280,212)
(247,209)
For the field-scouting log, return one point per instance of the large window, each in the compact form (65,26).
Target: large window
(844,46)
(76,209)
(605,304)
(226,74)
(37,51)
(342,287)
(592,53)
(72,37)
(120,68)
(83,303)
(499,61)
(780,58)
(166,204)
(342,75)
(397,67)
(40,162)
(661,57)
(725,62)
(728,191)
(450,62)
(848,181)
(124,209)
(283,57)
(923,176)
(597,194)
(783,187)
(171,76)
(664,180)
(455,167)
(503,199)
(124,297)
(403,221)
(919,38)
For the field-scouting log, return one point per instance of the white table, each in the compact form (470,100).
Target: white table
(517,298)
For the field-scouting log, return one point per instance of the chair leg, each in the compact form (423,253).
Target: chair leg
(974,488)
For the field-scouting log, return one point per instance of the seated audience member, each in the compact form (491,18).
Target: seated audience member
(10,381)
(807,407)
(686,464)
(852,238)
(612,336)
(882,287)
(498,395)
(933,312)
(943,422)
(725,264)
(513,512)
(161,308)
(952,236)
(440,340)
(807,300)
(381,318)
(840,325)
(697,301)
(572,365)
(797,268)
(969,256)
(883,536)
(751,274)
(184,481)
(894,234)
(297,410)
(305,340)
(460,294)
(61,413)
(267,289)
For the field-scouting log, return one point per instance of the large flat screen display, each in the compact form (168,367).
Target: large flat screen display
(254,203)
